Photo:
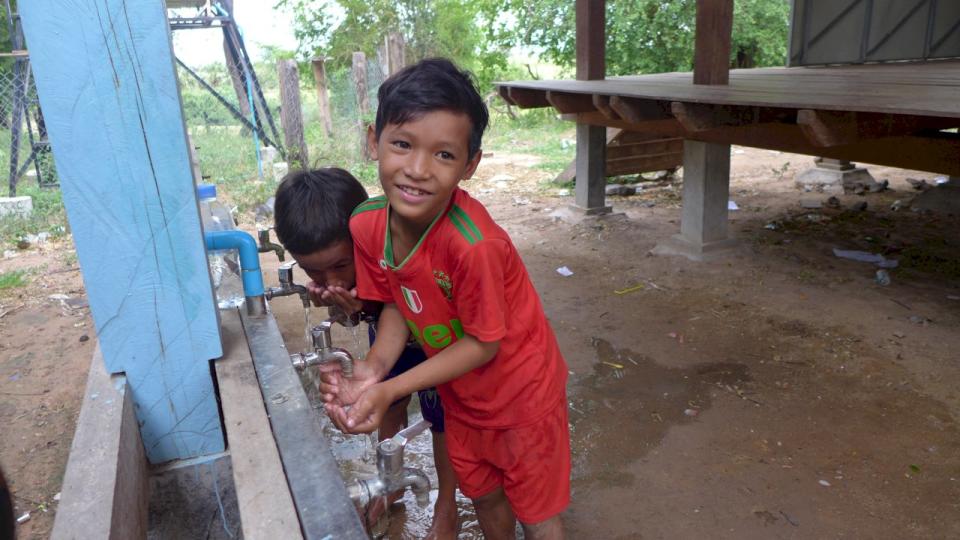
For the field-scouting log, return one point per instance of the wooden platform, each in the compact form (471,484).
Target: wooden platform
(891,114)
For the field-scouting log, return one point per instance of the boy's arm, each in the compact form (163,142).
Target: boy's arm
(467,354)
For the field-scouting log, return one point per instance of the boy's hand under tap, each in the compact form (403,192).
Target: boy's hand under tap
(366,413)
(338,390)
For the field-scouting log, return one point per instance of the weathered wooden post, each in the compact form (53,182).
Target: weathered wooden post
(106,81)
(323,97)
(590,189)
(291,115)
(394,52)
(359,73)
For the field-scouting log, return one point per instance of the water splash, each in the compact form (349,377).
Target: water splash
(308,343)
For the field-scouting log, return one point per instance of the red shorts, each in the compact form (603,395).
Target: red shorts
(531,463)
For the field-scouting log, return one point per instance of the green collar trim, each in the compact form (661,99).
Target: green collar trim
(388,242)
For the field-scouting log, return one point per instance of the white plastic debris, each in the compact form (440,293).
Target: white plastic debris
(863,256)
(24,518)
(57,496)
(564,193)
(731,205)
(564,271)
(824,483)
(940,180)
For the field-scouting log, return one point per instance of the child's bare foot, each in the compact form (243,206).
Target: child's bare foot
(446,521)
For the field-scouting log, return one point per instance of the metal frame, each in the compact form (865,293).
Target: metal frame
(212,15)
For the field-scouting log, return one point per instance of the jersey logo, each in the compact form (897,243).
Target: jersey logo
(443,281)
(412,299)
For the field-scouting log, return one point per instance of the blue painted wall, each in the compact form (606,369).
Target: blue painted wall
(105,76)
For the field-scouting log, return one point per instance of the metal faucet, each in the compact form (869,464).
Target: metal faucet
(323,351)
(263,235)
(391,474)
(287,286)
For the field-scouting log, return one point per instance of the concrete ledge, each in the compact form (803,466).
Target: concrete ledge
(678,245)
(104,492)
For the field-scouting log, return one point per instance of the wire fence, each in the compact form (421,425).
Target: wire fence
(227,150)
(24,148)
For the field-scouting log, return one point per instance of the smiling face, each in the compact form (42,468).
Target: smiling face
(331,266)
(420,163)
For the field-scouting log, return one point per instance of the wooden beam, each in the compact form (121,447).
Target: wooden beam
(527,98)
(656,146)
(591,39)
(504,93)
(566,102)
(638,164)
(836,128)
(703,116)
(637,111)
(711,57)
(666,127)
(602,104)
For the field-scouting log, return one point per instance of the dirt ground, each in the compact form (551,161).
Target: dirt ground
(776,392)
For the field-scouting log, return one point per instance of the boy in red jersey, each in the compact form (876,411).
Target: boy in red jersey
(451,276)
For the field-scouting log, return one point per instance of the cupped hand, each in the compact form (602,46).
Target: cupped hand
(365,415)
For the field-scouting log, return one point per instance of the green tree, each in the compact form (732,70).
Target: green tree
(651,36)
(450,28)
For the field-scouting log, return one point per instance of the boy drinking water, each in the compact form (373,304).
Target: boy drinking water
(311,213)
(450,276)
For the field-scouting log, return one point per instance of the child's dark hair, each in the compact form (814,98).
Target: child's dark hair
(434,84)
(312,208)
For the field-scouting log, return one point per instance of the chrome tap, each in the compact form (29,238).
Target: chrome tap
(287,286)
(263,235)
(391,474)
(323,351)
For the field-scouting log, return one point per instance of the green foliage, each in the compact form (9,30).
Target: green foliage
(652,36)
(48,215)
(449,28)
(12,279)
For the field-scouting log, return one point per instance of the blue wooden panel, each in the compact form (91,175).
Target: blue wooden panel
(105,76)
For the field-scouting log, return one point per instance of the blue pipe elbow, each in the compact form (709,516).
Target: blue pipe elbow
(249,258)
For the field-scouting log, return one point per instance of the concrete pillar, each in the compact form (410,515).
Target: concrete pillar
(590,190)
(706,190)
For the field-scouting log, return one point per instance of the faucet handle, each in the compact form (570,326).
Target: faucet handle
(285,273)
(404,435)
(320,335)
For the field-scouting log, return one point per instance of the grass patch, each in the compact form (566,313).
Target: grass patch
(12,280)
(48,215)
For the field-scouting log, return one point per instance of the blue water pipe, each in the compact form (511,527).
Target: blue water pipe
(249,264)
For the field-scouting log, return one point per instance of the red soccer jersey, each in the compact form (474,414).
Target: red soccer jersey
(465,276)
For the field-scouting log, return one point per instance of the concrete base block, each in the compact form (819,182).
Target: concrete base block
(830,180)
(16,206)
(678,245)
(595,211)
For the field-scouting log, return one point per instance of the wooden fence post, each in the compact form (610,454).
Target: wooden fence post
(291,117)
(323,98)
(394,53)
(363,102)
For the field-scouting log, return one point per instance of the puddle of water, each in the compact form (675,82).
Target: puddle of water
(624,408)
